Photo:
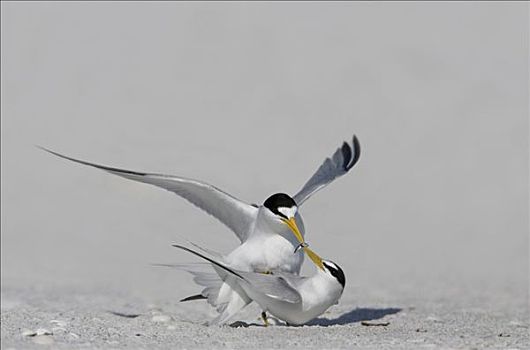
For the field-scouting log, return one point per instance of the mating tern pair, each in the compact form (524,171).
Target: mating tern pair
(291,298)
(270,233)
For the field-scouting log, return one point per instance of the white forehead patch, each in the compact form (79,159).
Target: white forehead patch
(289,212)
(331,264)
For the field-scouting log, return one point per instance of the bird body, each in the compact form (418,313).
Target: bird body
(289,297)
(317,294)
(269,247)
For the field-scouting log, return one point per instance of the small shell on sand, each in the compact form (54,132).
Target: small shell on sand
(43,331)
(161,318)
(28,333)
(40,336)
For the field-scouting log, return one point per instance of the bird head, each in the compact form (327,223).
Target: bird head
(282,210)
(334,270)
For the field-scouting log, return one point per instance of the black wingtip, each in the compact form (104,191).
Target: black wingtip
(351,156)
(356,150)
(209,259)
(193,297)
(346,155)
(42,148)
(98,166)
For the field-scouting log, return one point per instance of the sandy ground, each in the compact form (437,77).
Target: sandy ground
(85,320)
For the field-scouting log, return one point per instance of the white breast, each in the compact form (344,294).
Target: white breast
(266,253)
(269,247)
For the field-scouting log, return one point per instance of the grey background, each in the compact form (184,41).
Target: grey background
(252,97)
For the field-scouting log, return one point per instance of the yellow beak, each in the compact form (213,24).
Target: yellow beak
(314,257)
(311,254)
(292,225)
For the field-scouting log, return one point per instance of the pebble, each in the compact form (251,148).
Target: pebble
(59,323)
(43,331)
(28,333)
(433,319)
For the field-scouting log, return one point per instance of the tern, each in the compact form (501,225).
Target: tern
(291,298)
(269,233)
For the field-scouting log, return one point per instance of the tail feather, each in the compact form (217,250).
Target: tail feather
(194,297)
(216,263)
(204,276)
(222,287)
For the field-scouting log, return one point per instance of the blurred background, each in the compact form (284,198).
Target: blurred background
(252,97)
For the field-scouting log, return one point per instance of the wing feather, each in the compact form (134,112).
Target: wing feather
(274,286)
(234,213)
(344,158)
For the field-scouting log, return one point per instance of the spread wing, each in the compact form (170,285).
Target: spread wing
(237,215)
(339,164)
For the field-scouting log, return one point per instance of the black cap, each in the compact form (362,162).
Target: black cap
(279,200)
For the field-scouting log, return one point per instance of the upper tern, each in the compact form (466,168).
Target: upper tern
(291,298)
(269,233)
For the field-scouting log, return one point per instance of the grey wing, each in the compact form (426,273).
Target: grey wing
(339,164)
(292,279)
(237,215)
(274,286)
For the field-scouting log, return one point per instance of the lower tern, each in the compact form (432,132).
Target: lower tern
(269,233)
(291,298)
